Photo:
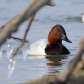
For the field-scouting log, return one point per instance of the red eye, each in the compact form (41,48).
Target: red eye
(57,30)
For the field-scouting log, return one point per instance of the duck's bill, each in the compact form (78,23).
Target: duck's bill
(67,40)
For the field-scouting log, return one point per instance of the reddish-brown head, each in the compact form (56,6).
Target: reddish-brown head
(57,34)
(54,36)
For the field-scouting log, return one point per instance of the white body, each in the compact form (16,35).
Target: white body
(38,47)
(83,18)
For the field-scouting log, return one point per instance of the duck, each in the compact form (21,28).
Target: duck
(52,46)
(82,17)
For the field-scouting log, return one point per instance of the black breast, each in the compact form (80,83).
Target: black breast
(56,49)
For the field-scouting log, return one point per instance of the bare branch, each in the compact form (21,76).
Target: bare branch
(13,24)
(51,3)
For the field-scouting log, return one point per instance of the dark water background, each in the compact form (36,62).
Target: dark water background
(66,12)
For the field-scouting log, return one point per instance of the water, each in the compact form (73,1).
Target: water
(66,13)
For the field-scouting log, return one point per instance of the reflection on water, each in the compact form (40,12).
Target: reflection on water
(36,57)
(54,61)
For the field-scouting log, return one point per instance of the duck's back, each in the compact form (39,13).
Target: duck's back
(38,47)
(56,49)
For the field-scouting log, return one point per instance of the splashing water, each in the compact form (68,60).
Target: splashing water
(10,48)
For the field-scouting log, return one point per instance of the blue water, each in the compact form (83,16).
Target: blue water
(66,12)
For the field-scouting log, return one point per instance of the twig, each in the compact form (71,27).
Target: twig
(30,21)
(19,39)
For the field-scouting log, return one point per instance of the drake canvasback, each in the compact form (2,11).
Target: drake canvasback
(53,45)
(82,17)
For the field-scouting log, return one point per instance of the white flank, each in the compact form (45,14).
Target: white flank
(38,47)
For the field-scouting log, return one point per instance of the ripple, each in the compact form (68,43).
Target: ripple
(73,19)
(58,19)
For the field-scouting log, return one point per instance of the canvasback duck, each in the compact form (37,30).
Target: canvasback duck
(54,44)
(82,17)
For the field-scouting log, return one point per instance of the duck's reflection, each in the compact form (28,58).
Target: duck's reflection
(54,61)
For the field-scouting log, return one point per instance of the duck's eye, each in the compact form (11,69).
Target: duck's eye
(57,30)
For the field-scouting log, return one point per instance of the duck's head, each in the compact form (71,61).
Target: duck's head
(82,13)
(57,34)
